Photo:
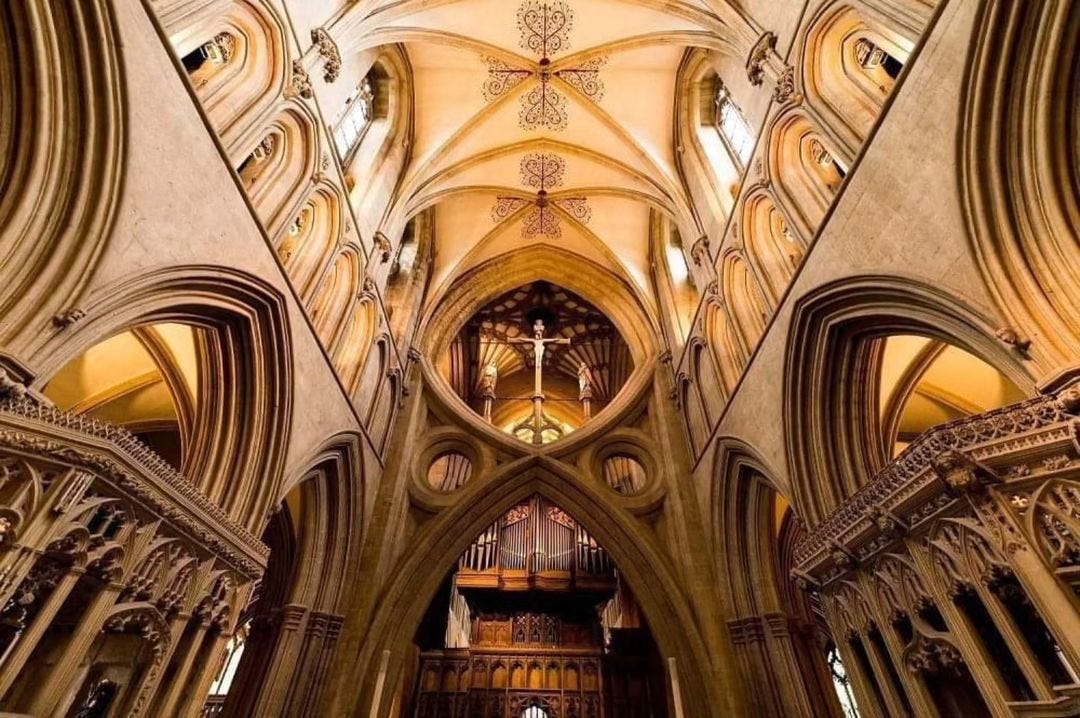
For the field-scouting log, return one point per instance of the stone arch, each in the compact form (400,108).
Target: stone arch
(773,626)
(372,170)
(62,150)
(710,170)
(846,93)
(330,306)
(831,434)
(803,166)
(243,421)
(704,373)
(241,89)
(744,295)
(308,243)
(276,165)
(640,560)
(284,668)
(772,246)
(617,298)
(724,342)
(355,340)
(1019,168)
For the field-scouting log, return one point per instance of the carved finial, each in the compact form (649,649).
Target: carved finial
(64,319)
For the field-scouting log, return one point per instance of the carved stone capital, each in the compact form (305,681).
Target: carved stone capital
(383,246)
(300,83)
(328,49)
(699,250)
(755,63)
(785,85)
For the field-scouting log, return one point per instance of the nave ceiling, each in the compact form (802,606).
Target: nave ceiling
(482,110)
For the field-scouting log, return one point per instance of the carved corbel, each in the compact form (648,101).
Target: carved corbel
(11,387)
(888,523)
(759,53)
(300,82)
(385,249)
(68,317)
(699,249)
(1069,399)
(763,62)
(841,555)
(960,474)
(328,49)
(785,86)
(1014,339)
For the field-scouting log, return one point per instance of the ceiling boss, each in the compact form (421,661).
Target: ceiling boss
(545,31)
(542,171)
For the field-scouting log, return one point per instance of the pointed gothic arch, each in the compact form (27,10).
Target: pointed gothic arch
(62,155)
(831,434)
(1017,170)
(239,441)
(417,576)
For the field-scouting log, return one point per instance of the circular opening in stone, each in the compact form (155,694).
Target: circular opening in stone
(624,474)
(449,471)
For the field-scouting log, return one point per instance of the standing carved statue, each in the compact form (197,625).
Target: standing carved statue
(585,389)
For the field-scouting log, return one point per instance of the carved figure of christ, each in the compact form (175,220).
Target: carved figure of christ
(539,347)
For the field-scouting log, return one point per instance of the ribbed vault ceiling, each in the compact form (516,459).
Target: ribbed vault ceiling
(590,83)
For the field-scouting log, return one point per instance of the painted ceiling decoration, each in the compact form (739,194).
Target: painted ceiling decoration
(541,171)
(545,31)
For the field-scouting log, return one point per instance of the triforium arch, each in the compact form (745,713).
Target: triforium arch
(1018,177)
(773,627)
(239,442)
(830,388)
(62,143)
(703,685)
(609,292)
(235,56)
(850,63)
(295,623)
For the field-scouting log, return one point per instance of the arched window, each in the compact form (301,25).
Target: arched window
(359,111)
(534,712)
(733,127)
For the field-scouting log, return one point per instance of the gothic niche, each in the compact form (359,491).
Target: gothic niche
(492,362)
(535,621)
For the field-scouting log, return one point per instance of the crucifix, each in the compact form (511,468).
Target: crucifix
(539,343)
